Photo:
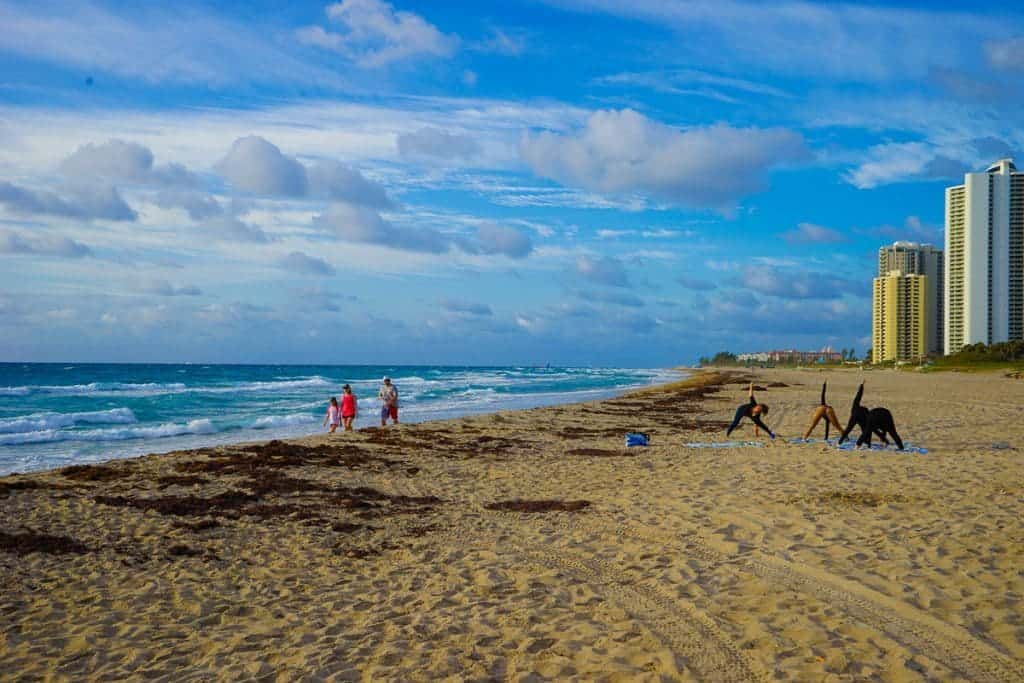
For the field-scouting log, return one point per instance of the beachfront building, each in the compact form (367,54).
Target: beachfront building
(911,258)
(984,264)
(900,325)
(827,354)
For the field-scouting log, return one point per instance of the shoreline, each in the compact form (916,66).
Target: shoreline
(120,448)
(532,543)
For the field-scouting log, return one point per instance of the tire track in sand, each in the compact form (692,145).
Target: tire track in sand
(681,627)
(913,628)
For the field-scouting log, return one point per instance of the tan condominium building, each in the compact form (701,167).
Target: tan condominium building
(900,324)
(984,287)
(911,258)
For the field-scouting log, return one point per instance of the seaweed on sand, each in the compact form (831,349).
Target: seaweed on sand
(518,505)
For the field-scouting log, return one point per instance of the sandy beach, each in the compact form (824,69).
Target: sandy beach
(532,545)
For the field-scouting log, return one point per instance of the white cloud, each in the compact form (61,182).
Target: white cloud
(903,162)
(501,239)
(694,82)
(433,142)
(1006,54)
(83,202)
(374,34)
(364,225)
(303,264)
(151,43)
(466,308)
(797,284)
(333,180)
(502,42)
(258,166)
(624,151)
(117,160)
(18,243)
(604,271)
(232,229)
(165,288)
(470,78)
(696,283)
(810,233)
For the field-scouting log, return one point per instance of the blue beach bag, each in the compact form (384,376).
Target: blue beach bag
(636,439)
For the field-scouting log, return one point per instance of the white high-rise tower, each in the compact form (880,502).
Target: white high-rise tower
(984,292)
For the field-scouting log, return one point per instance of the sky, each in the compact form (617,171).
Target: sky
(574,182)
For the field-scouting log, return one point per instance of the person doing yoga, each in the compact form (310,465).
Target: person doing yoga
(754,411)
(874,421)
(823,411)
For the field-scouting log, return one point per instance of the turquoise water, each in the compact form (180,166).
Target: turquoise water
(58,414)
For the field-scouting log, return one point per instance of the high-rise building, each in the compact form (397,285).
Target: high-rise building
(911,258)
(984,293)
(900,325)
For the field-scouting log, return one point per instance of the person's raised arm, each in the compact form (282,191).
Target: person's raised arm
(860,394)
(824,385)
(752,401)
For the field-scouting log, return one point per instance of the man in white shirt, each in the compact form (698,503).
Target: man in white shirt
(388,396)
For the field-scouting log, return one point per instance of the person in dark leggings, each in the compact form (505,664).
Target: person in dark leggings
(874,421)
(823,411)
(754,411)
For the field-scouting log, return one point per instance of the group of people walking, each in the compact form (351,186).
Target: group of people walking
(345,412)
(872,421)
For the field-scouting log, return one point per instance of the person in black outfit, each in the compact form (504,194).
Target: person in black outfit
(874,421)
(754,411)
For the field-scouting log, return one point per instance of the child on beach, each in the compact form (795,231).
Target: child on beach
(333,415)
(348,407)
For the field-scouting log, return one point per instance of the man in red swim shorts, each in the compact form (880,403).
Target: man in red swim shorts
(388,396)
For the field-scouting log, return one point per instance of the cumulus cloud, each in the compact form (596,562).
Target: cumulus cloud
(62,247)
(624,151)
(433,142)
(256,165)
(165,288)
(364,225)
(810,233)
(333,180)
(502,42)
(198,205)
(696,283)
(83,202)
(232,229)
(1006,54)
(466,308)
(121,161)
(604,271)
(298,262)
(373,34)
(912,229)
(797,284)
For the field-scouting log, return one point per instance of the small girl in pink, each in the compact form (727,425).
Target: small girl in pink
(332,415)
(348,407)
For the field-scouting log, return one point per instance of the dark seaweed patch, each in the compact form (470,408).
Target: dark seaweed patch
(182,550)
(32,541)
(539,505)
(599,453)
(95,472)
(201,525)
(181,480)
(183,506)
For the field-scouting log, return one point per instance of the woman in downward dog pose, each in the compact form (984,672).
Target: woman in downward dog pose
(823,411)
(754,411)
(874,421)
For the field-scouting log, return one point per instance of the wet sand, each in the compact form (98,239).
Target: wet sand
(532,545)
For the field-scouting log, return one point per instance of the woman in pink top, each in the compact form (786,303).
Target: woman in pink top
(348,407)
(332,415)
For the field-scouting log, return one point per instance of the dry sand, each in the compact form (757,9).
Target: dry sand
(405,554)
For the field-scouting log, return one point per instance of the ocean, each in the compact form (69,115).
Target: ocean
(56,414)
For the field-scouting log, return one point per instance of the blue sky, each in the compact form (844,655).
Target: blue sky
(568,181)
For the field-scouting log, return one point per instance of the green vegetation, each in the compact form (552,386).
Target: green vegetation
(979,357)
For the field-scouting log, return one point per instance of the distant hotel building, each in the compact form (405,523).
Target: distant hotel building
(907,302)
(984,288)
(791,356)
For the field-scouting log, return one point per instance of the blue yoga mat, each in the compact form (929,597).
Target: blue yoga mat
(723,444)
